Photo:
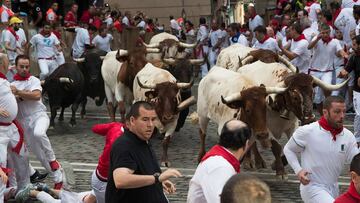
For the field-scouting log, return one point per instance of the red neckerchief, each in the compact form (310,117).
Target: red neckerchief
(329,23)
(266,37)
(3,76)
(218,150)
(188,30)
(353,192)
(310,3)
(324,124)
(21,78)
(327,40)
(253,16)
(355,1)
(301,37)
(42,32)
(336,13)
(13,33)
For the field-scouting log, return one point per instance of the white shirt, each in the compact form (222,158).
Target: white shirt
(22,37)
(202,34)
(310,33)
(125,21)
(312,11)
(349,3)
(320,155)
(256,21)
(285,41)
(4,15)
(215,36)
(345,22)
(29,107)
(108,21)
(209,180)
(45,46)
(357,29)
(103,43)
(9,37)
(241,40)
(324,55)
(82,37)
(303,54)
(283,30)
(7,101)
(339,61)
(141,24)
(269,44)
(174,24)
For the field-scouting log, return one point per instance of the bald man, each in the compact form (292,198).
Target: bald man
(220,163)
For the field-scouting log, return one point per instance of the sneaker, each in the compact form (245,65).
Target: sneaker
(24,194)
(38,177)
(68,175)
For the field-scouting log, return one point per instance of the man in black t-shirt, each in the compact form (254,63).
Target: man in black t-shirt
(35,14)
(134,173)
(354,65)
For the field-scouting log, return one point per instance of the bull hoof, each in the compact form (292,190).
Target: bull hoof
(51,127)
(165,164)
(260,164)
(72,125)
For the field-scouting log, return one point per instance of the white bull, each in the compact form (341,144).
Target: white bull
(230,57)
(225,95)
(168,45)
(159,87)
(293,104)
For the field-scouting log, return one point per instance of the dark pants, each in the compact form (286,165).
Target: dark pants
(184,113)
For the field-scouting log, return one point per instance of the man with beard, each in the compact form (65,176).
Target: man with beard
(324,147)
(46,44)
(11,39)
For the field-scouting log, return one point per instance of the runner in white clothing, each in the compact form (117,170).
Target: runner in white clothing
(10,39)
(202,47)
(82,40)
(324,147)
(47,46)
(102,40)
(216,39)
(254,19)
(325,50)
(33,118)
(349,3)
(236,36)
(264,41)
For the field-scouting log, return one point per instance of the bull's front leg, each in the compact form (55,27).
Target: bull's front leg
(83,108)
(259,161)
(278,165)
(111,111)
(52,118)
(74,108)
(61,117)
(202,145)
(122,110)
(248,163)
(165,144)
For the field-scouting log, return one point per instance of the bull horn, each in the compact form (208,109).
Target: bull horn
(102,57)
(329,87)
(154,45)
(79,60)
(185,45)
(122,52)
(247,60)
(275,90)
(287,64)
(145,86)
(196,61)
(152,50)
(184,85)
(169,61)
(186,103)
(231,98)
(65,80)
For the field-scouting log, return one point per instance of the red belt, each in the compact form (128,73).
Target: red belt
(50,58)
(316,70)
(18,146)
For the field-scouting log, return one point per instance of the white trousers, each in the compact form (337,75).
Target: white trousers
(316,193)
(46,67)
(46,198)
(99,188)
(204,67)
(17,162)
(213,57)
(356,103)
(35,128)
(326,77)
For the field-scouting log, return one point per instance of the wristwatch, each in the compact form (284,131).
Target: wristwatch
(156,176)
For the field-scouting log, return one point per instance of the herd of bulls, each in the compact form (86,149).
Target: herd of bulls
(258,87)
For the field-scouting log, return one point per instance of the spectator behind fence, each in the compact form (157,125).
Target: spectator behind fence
(242,188)
(353,193)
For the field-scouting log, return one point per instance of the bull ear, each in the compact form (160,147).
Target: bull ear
(151,94)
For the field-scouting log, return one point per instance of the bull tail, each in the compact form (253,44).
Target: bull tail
(194,117)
